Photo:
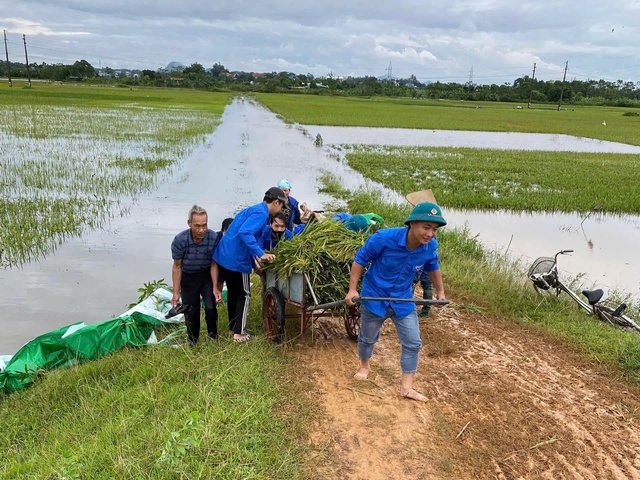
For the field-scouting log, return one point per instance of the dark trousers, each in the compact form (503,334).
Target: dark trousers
(193,287)
(427,294)
(238,297)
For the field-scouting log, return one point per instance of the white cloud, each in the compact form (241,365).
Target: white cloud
(31,27)
(441,40)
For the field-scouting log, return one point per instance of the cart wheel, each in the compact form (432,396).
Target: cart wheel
(352,321)
(273,314)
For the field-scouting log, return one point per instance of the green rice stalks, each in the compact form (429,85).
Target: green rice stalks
(325,252)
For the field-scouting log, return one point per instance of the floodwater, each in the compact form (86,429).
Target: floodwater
(95,277)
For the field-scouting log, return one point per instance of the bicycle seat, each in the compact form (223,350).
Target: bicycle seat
(593,296)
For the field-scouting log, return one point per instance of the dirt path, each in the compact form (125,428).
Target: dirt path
(504,403)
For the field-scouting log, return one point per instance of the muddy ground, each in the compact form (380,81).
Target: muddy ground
(505,402)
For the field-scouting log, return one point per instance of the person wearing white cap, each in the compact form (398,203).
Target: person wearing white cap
(291,208)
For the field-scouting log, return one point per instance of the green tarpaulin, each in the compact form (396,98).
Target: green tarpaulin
(78,343)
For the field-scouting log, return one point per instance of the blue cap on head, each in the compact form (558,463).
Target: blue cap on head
(426,212)
(284,183)
(357,223)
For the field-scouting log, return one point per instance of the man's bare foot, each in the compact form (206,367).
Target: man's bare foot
(413,395)
(361,374)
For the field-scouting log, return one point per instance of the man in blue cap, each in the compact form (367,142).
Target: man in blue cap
(393,256)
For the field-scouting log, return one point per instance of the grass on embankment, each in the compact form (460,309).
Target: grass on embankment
(220,410)
(455,115)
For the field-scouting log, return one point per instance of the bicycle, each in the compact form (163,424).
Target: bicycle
(544,275)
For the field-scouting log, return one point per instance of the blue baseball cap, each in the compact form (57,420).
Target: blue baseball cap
(284,183)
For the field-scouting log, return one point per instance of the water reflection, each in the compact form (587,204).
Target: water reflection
(454,138)
(96,276)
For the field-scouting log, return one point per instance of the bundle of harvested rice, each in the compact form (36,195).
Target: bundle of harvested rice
(324,251)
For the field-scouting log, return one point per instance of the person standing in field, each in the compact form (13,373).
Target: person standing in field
(238,252)
(194,273)
(291,208)
(393,256)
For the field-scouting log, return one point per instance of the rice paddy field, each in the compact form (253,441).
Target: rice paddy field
(456,115)
(76,156)
(498,179)
(486,179)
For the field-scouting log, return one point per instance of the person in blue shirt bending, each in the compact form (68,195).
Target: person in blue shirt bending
(393,256)
(238,252)
(275,231)
(291,207)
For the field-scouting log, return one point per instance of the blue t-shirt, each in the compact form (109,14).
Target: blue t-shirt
(195,257)
(239,245)
(392,269)
(266,240)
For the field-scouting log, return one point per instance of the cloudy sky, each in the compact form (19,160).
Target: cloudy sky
(488,41)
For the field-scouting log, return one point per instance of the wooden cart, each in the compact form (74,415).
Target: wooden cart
(294,290)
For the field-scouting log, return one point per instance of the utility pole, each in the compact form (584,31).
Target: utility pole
(26,57)
(533,77)
(566,66)
(6,50)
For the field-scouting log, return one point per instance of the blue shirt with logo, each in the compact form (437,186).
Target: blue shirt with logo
(392,267)
(239,245)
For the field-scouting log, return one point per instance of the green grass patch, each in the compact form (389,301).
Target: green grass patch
(219,410)
(498,179)
(454,115)
(42,93)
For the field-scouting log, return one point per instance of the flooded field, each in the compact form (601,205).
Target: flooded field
(96,275)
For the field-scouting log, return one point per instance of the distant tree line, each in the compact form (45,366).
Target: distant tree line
(587,92)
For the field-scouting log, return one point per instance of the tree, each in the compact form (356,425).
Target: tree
(195,68)
(218,71)
(82,69)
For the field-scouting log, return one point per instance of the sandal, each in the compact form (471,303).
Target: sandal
(242,339)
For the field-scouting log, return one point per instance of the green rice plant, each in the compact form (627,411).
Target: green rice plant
(511,180)
(324,251)
(78,157)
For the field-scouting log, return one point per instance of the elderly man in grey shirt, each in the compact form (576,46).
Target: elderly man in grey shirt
(194,274)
